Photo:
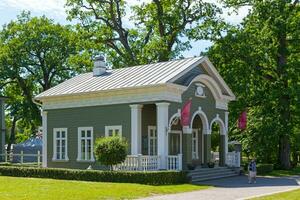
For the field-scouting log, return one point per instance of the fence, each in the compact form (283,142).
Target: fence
(9,157)
(233,159)
(148,163)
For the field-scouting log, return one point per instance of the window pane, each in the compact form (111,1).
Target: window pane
(83,134)
(117,132)
(88,133)
(57,134)
(63,134)
(83,149)
(89,149)
(110,132)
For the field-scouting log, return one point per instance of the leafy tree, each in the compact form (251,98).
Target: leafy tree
(111,150)
(260,61)
(36,54)
(157,32)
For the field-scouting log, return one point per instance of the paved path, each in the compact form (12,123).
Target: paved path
(236,188)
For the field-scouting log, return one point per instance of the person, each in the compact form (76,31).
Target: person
(252,171)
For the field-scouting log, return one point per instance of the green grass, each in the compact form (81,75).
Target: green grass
(294,171)
(48,189)
(291,195)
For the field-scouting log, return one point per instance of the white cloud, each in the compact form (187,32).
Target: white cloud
(53,8)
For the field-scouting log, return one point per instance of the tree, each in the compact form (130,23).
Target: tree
(260,61)
(36,54)
(111,150)
(157,32)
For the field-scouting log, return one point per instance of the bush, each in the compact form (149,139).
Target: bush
(149,178)
(264,168)
(111,150)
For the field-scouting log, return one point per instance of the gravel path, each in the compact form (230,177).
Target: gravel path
(237,188)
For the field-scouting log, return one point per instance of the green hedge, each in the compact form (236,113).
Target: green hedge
(264,168)
(150,178)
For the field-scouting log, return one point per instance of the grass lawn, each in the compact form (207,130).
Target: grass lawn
(291,195)
(294,171)
(48,189)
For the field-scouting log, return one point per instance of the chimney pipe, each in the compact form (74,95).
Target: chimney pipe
(99,66)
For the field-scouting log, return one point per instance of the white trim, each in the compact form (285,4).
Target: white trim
(180,138)
(113,127)
(162,92)
(212,71)
(174,116)
(149,138)
(136,129)
(218,120)
(162,120)
(226,135)
(206,128)
(79,138)
(54,158)
(45,135)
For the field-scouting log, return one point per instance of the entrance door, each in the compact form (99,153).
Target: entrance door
(195,144)
(175,147)
(152,140)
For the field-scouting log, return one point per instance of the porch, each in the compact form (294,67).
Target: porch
(159,142)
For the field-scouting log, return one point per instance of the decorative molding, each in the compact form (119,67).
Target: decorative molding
(218,120)
(174,117)
(202,115)
(199,92)
(166,92)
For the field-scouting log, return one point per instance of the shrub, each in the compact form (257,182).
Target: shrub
(264,168)
(111,150)
(150,178)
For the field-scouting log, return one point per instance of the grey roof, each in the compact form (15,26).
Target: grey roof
(137,76)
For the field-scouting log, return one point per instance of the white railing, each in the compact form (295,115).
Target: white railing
(139,163)
(233,159)
(174,162)
(9,157)
(149,163)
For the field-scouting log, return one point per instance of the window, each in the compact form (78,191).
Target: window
(113,130)
(60,145)
(195,144)
(152,140)
(85,144)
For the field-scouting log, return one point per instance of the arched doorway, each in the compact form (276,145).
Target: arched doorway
(197,141)
(218,141)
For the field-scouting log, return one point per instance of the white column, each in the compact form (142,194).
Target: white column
(162,135)
(44,118)
(226,136)
(136,129)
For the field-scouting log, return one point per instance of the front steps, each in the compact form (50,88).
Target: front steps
(205,174)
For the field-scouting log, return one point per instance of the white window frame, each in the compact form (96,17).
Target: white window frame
(79,138)
(152,138)
(54,158)
(107,128)
(195,155)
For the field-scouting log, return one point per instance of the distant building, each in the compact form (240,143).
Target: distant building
(2,124)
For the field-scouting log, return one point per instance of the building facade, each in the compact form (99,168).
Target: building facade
(142,104)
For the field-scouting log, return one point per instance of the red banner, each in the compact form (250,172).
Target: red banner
(242,122)
(185,113)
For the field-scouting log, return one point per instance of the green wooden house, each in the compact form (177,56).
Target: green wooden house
(142,104)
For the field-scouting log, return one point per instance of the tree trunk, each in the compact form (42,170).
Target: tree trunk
(12,137)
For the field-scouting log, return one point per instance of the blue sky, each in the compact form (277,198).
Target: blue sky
(55,10)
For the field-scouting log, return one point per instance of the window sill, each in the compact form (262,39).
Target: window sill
(85,161)
(59,160)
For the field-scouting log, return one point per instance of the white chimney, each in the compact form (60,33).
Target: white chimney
(99,66)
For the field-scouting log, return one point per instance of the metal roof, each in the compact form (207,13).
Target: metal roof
(137,76)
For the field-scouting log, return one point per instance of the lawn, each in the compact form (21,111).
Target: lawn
(48,189)
(294,171)
(291,195)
